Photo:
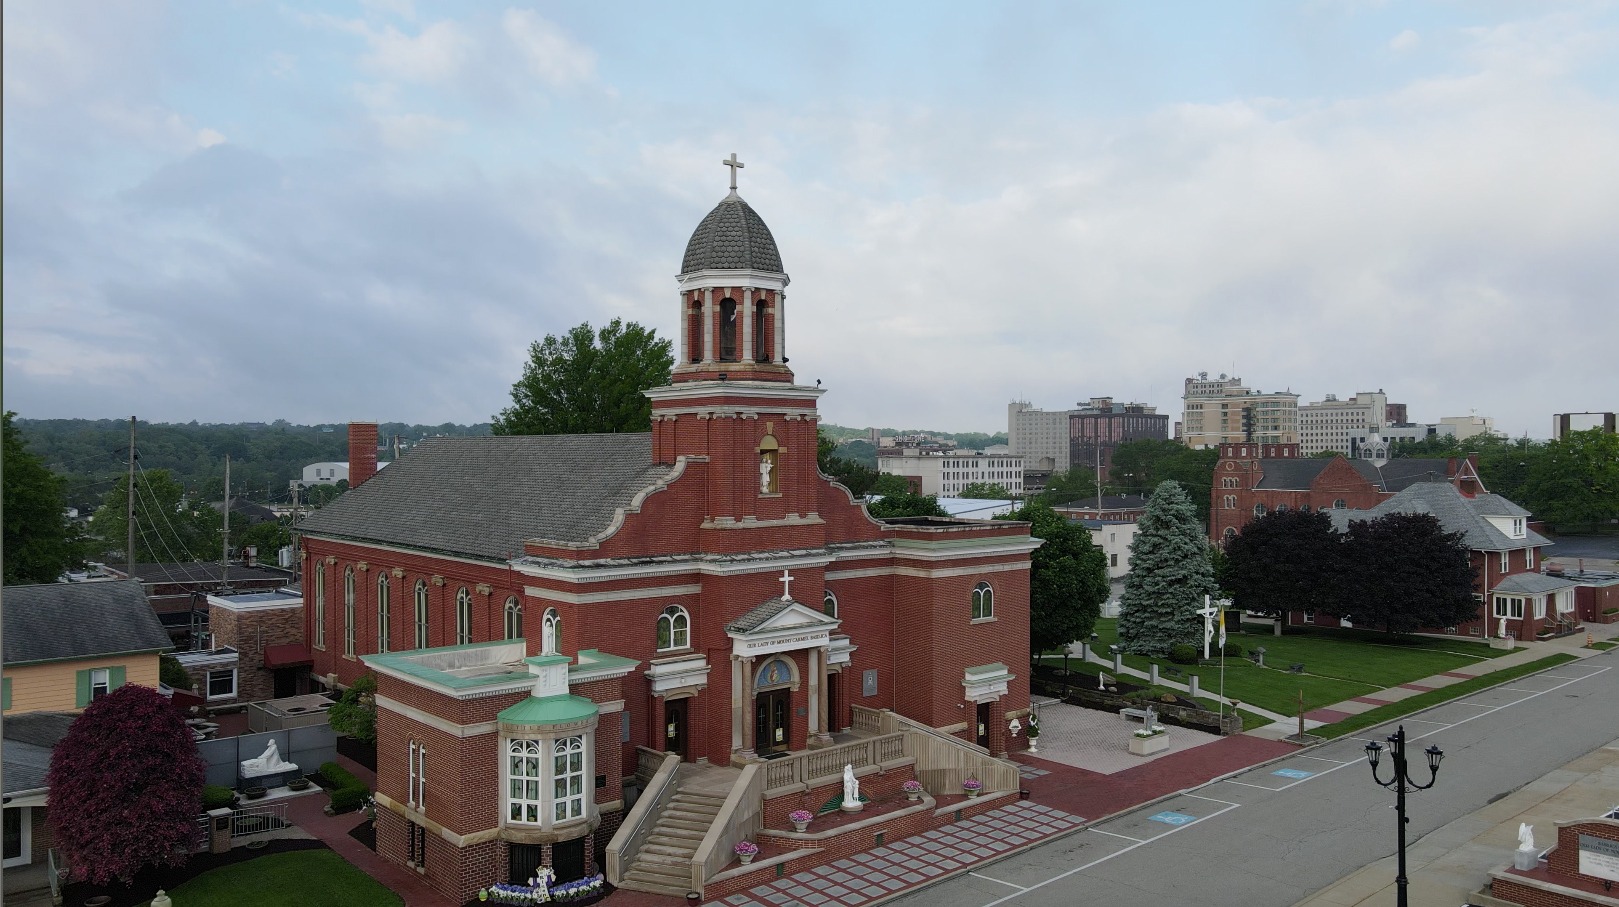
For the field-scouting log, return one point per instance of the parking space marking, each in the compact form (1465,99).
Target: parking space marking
(1170,817)
(1325,759)
(993,879)
(1117,835)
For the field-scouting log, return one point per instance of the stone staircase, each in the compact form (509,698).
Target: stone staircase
(663,864)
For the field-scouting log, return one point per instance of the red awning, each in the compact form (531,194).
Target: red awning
(288,655)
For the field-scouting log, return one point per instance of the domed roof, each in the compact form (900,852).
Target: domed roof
(733,237)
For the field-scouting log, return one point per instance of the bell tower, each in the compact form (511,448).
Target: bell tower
(732,397)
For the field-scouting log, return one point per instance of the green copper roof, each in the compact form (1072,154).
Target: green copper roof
(550,710)
(591,661)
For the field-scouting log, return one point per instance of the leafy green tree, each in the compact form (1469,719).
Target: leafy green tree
(1287,560)
(1139,467)
(897,500)
(170,525)
(859,451)
(38,543)
(1169,575)
(1430,447)
(318,496)
(851,475)
(1407,574)
(588,382)
(993,491)
(171,672)
(1575,481)
(1071,485)
(1068,579)
(268,537)
(355,713)
(125,783)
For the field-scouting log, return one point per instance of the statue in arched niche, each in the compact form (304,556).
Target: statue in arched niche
(769,463)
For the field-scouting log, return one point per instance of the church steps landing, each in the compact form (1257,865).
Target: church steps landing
(662,865)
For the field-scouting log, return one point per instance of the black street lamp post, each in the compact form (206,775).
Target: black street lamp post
(1402,784)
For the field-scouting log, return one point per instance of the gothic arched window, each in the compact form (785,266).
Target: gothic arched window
(348,611)
(674,628)
(514,618)
(829,604)
(384,617)
(320,606)
(983,601)
(463,616)
(421,614)
(728,329)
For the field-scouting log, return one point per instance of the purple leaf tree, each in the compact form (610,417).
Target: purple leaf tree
(126,787)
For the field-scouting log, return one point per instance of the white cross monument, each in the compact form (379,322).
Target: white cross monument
(1208,612)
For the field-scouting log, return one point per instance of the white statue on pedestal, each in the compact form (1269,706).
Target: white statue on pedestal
(851,791)
(1501,628)
(269,763)
(765,467)
(1526,836)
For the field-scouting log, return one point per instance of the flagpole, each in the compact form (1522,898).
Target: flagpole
(1222,668)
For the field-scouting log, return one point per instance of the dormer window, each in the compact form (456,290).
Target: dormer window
(1518,528)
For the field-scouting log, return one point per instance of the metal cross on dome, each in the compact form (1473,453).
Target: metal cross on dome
(787,585)
(735,165)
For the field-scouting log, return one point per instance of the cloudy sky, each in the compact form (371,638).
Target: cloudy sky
(230,211)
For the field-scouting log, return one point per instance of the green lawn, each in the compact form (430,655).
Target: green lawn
(300,878)
(1434,697)
(1603,646)
(1337,667)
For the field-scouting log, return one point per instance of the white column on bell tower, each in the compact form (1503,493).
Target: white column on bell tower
(779,323)
(708,324)
(747,324)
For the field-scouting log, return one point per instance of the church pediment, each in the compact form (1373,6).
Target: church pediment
(780,625)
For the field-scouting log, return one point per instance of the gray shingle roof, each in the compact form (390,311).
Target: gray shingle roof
(29,740)
(1455,511)
(761,615)
(1395,475)
(485,497)
(733,235)
(79,620)
(1534,584)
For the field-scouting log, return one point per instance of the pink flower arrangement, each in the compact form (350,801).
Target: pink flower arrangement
(911,787)
(800,815)
(972,784)
(746,848)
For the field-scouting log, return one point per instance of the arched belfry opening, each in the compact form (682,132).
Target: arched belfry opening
(728,330)
(769,462)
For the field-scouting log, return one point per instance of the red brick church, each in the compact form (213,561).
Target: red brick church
(549,616)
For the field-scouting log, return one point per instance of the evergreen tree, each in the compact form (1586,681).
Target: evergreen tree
(1169,576)
(38,545)
(125,785)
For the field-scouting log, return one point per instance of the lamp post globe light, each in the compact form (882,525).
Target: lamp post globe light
(1401,783)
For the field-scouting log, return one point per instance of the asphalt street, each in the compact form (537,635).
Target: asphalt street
(1276,833)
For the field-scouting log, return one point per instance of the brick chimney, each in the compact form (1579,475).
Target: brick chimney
(362,452)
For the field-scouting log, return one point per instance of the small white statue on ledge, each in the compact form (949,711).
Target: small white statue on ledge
(1526,836)
(851,791)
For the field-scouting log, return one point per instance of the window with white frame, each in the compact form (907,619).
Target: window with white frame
(1259,510)
(514,618)
(320,606)
(1540,607)
(100,683)
(1509,606)
(463,616)
(421,614)
(674,628)
(384,616)
(1565,601)
(222,684)
(829,604)
(1518,528)
(525,774)
(568,779)
(1506,561)
(416,784)
(983,602)
(1339,504)
(348,611)
(1529,558)
(1309,615)
(551,632)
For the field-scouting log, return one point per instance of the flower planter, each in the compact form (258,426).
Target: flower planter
(973,794)
(747,858)
(254,793)
(798,827)
(298,784)
(913,795)
(1147,746)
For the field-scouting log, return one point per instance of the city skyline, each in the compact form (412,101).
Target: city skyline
(240,213)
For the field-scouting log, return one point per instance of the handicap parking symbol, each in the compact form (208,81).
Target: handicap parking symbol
(1173,818)
(1293,773)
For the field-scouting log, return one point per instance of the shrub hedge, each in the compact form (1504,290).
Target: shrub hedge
(216,797)
(350,794)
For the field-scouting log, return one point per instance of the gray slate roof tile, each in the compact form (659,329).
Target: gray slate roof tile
(732,236)
(1534,584)
(30,737)
(1455,512)
(485,497)
(79,620)
(1290,474)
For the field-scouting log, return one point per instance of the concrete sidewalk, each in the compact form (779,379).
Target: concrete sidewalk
(1450,863)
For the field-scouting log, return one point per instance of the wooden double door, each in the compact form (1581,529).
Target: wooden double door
(772,722)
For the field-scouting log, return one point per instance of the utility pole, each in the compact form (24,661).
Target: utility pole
(224,535)
(129,506)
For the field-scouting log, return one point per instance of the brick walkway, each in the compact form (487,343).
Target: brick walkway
(885,871)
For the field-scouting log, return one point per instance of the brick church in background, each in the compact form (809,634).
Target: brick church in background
(543,611)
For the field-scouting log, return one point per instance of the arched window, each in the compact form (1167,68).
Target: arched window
(728,329)
(829,604)
(1304,508)
(551,633)
(1281,508)
(1229,502)
(348,611)
(568,778)
(674,628)
(1230,534)
(1259,510)
(524,800)
(320,606)
(463,616)
(384,617)
(1339,504)
(983,601)
(514,618)
(421,614)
